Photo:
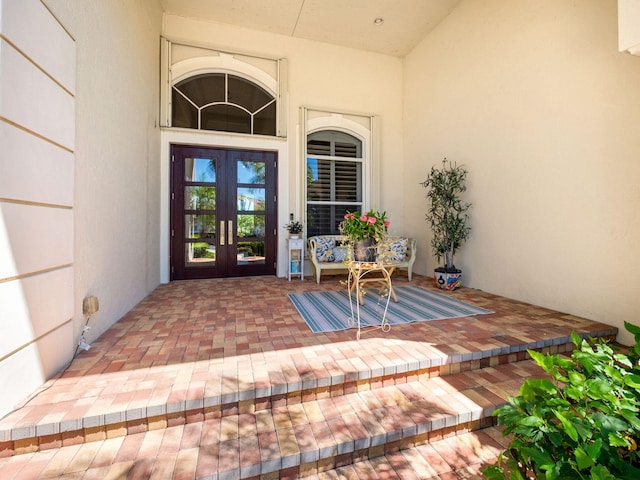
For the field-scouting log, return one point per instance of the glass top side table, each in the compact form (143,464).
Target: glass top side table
(360,274)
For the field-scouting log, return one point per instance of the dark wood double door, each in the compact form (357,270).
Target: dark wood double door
(223,212)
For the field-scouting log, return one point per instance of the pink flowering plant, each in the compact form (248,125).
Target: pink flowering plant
(359,226)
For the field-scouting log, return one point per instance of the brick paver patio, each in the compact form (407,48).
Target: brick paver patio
(223,379)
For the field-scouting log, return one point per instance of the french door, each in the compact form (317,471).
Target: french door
(223,212)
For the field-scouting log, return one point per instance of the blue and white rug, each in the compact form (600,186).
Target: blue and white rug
(330,311)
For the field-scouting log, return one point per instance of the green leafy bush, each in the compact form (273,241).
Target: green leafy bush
(580,424)
(201,250)
(251,248)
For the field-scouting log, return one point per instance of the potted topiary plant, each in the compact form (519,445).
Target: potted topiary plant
(447,215)
(295,228)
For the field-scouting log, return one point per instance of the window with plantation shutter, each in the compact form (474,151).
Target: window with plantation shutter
(334,180)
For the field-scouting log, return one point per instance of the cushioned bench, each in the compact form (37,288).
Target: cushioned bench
(328,252)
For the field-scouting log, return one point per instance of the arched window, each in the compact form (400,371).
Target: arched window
(223,102)
(334,169)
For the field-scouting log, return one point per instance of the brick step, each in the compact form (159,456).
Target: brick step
(456,456)
(225,394)
(308,437)
(453,457)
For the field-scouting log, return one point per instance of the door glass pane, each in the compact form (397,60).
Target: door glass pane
(251,199)
(200,253)
(251,172)
(251,234)
(200,198)
(200,226)
(251,226)
(200,170)
(251,253)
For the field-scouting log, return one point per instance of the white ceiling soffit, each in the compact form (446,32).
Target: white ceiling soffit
(349,23)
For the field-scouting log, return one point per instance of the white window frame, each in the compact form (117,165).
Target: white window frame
(361,126)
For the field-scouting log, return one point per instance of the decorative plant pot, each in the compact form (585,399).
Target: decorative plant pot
(365,250)
(448,279)
(294,236)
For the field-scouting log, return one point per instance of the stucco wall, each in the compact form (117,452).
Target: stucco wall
(37,119)
(116,194)
(319,75)
(534,98)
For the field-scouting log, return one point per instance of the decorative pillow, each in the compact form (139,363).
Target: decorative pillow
(340,254)
(324,256)
(324,249)
(397,250)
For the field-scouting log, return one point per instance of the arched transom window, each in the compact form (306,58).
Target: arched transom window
(223,102)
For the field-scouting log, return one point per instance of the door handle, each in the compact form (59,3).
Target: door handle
(230,231)
(221,232)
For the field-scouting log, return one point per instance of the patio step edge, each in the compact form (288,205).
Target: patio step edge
(44,435)
(317,435)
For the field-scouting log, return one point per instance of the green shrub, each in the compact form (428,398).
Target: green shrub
(580,424)
(251,248)
(201,250)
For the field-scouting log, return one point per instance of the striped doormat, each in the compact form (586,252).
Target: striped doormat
(330,311)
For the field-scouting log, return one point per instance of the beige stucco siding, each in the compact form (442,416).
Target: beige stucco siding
(536,100)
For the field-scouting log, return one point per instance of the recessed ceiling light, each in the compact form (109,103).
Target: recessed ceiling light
(378,21)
